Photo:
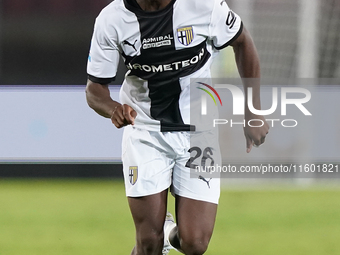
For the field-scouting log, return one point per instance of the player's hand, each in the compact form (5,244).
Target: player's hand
(255,136)
(123,115)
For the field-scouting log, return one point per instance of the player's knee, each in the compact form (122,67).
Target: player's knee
(195,246)
(150,243)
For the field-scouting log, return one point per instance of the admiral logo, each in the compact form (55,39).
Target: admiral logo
(185,35)
(156,42)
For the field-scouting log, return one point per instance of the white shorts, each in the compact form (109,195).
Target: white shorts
(154,161)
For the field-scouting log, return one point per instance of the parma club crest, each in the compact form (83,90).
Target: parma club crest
(185,35)
(133,174)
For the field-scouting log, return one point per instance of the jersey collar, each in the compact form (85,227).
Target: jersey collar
(132,6)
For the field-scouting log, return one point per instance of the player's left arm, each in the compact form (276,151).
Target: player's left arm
(248,65)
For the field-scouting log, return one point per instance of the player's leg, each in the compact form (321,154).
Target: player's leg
(148,213)
(196,206)
(195,221)
(196,193)
(147,174)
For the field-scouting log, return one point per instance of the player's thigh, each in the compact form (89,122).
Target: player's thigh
(195,221)
(148,213)
(147,168)
(190,182)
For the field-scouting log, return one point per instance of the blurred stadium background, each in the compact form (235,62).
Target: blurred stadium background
(61,190)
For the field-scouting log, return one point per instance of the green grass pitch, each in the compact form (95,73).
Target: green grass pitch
(86,217)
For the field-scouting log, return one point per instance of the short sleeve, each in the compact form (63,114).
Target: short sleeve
(103,58)
(225,25)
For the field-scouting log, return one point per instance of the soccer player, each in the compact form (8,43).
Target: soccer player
(164,44)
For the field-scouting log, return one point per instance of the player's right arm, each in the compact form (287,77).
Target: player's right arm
(99,99)
(101,69)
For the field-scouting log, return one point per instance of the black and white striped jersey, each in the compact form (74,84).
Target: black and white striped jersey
(162,51)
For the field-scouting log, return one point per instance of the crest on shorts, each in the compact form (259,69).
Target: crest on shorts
(185,35)
(133,174)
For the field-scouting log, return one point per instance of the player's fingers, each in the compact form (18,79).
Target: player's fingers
(118,113)
(118,122)
(255,138)
(117,117)
(257,142)
(132,117)
(134,114)
(115,122)
(129,114)
(249,142)
(263,138)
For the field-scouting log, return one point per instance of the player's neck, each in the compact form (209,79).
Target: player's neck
(153,5)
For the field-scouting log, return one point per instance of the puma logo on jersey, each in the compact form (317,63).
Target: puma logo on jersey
(205,180)
(130,44)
